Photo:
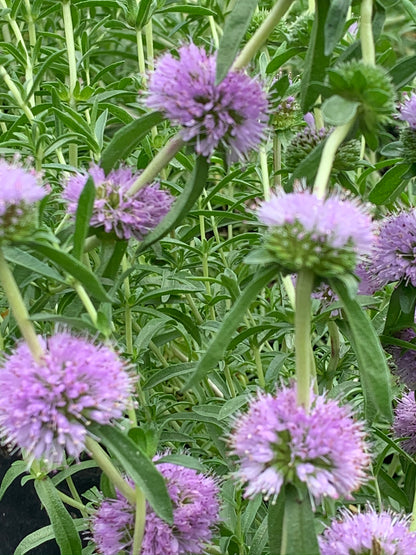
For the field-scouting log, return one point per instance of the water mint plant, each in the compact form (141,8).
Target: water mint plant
(162,268)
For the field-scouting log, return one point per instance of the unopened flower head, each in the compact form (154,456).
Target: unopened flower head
(404,425)
(195,512)
(20,189)
(322,235)
(115,210)
(45,406)
(393,255)
(365,533)
(405,359)
(278,442)
(232,114)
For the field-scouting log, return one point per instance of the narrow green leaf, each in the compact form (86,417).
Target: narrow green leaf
(182,460)
(338,110)
(401,310)
(276,62)
(389,186)
(26,260)
(83,217)
(236,25)
(186,8)
(410,8)
(63,526)
(75,121)
(390,488)
(374,372)
(218,346)
(139,467)
(182,204)
(334,24)
(126,140)
(16,469)
(259,541)
(316,60)
(143,13)
(43,535)
(74,267)
(298,530)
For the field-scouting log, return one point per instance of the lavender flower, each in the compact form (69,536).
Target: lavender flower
(369,532)
(233,113)
(195,511)
(114,209)
(277,442)
(405,359)
(20,189)
(405,422)
(323,235)
(408,110)
(45,406)
(395,248)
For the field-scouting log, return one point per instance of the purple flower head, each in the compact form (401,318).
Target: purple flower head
(408,110)
(20,189)
(324,235)
(394,250)
(404,424)
(45,406)
(277,442)
(114,209)
(386,533)
(405,359)
(195,512)
(232,114)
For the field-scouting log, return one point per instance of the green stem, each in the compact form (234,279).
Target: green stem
(262,34)
(304,285)
(19,309)
(328,156)
(31,24)
(140,54)
(162,159)
(139,523)
(86,301)
(335,350)
(264,173)
(76,504)
(75,495)
(277,160)
(72,65)
(148,30)
(413,519)
(366,33)
(104,462)
(16,94)
(229,380)
(214,33)
(259,367)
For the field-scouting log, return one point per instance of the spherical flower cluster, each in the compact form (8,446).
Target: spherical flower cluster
(45,406)
(404,425)
(232,114)
(195,512)
(20,189)
(278,441)
(408,110)
(405,359)
(369,532)
(115,210)
(394,250)
(322,235)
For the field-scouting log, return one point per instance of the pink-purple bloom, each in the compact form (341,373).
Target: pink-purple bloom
(405,359)
(408,110)
(365,533)
(394,252)
(195,512)
(46,406)
(20,189)
(232,114)
(115,210)
(278,441)
(404,425)
(324,235)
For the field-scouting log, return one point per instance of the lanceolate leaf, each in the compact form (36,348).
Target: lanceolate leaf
(334,24)
(235,28)
(217,348)
(182,204)
(127,139)
(43,535)
(139,467)
(374,372)
(63,526)
(83,217)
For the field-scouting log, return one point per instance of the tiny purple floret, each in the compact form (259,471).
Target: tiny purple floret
(45,406)
(368,532)
(115,210)
(404,425)
(279,441)
(233,113)
(408,110)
